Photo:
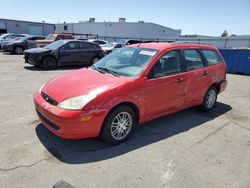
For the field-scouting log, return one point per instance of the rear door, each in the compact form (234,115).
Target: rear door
(88,51)
(166,85)
(70,53)
(199,78)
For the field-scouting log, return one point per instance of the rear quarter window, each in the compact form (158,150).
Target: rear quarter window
(212,57)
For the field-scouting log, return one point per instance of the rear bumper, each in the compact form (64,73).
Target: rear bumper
(70,124)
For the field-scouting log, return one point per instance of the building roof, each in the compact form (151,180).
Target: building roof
(25,21)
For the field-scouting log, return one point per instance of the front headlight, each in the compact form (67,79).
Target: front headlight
(76,103)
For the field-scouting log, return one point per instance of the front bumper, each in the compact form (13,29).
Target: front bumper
(70,124)
(31,59)
(7,48)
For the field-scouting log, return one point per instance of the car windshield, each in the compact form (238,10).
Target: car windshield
(129,62)
(3,36)
(55,45)
(21,39)
(51,37)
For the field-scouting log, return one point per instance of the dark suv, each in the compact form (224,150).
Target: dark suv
(64,52)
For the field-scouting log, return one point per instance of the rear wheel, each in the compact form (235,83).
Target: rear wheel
(118,126)
(49,63)
(18,50)
(210,99)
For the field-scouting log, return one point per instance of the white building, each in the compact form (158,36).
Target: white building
(26,27)
(120,30)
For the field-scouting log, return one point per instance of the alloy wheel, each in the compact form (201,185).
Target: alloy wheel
(121,125)
(210,99)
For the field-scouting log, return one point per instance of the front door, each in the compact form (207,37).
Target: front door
(70,53)
(166,85)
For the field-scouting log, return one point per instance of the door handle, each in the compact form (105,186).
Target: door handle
(179,80)
(205,73)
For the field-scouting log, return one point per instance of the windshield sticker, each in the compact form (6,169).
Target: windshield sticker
(143,52)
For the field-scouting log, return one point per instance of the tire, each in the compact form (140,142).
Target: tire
(118,125)
(18,50)
(49,63)
(210,99)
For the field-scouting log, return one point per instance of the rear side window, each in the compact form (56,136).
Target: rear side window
(212,57)
(72,46)
(193,60)
(85,46)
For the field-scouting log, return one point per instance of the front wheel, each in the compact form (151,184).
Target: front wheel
(210,99)
(49,63)
(118,125)
(18,50)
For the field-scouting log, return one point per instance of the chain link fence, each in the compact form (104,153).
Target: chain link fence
(219,42)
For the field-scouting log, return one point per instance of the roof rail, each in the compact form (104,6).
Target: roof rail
(192,42)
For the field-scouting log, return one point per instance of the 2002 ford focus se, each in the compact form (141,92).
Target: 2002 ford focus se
(130,86)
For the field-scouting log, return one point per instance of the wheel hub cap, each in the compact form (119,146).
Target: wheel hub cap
(121,125)
(211,97)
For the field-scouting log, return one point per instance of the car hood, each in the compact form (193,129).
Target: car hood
(36,50)
(12,42)
(82,82)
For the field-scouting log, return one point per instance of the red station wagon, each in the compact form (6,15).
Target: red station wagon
(131,86)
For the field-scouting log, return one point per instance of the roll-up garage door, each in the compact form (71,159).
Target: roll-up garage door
(3,27)
(36,30)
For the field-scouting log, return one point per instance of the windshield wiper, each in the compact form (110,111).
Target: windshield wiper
(109,71)
(98,69)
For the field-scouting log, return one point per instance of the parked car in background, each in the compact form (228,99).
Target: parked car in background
(132,85)
(64,52)
(18,45)
(9,36)
(110,47)
(98,41)
(52,38)
(129,41)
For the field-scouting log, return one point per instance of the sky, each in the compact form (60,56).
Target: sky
(205,17)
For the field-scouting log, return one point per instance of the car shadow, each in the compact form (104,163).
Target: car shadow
(36,68)
(91,150)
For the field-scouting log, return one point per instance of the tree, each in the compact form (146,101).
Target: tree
(224,34)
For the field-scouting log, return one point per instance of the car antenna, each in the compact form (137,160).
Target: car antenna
(139,44)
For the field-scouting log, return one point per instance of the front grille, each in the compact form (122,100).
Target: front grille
(49,123)
(49,99)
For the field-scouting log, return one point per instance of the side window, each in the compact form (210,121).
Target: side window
(168,64)
(72,46)
(33,38)
(212,57)
(85,46)
(193,60)
(60,37)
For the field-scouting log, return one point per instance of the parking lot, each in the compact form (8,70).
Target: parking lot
(185,149)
